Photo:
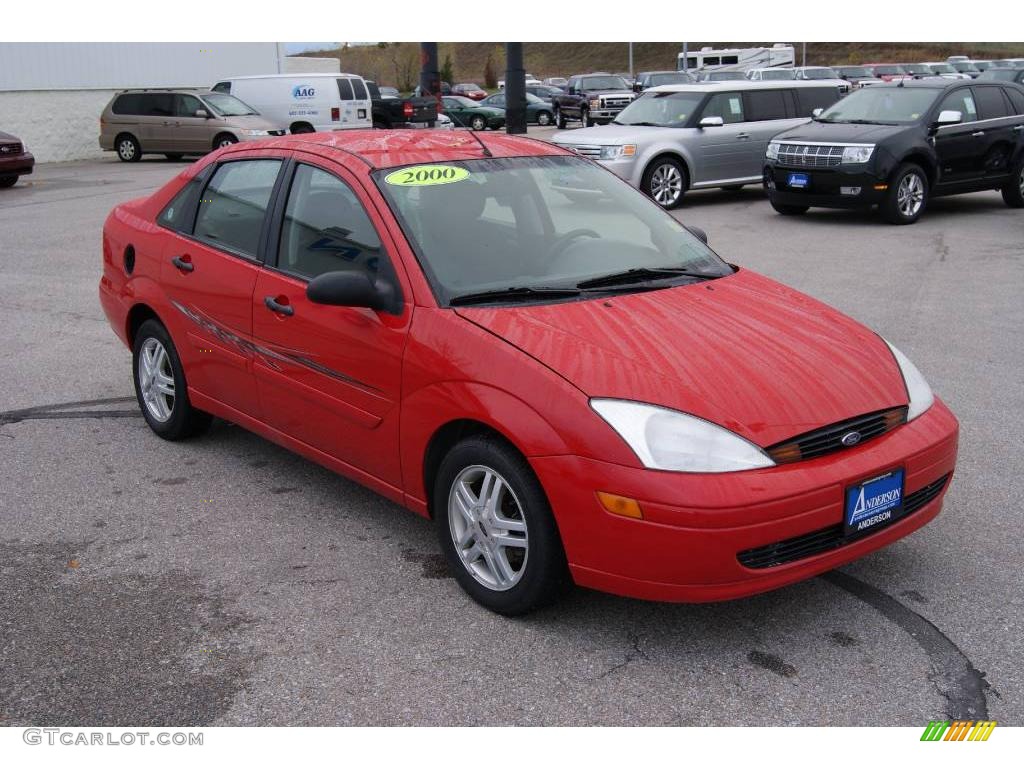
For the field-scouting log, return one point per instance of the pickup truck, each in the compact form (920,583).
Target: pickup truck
(592,99)
(401,113)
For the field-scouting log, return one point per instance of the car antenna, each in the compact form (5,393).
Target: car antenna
(486,151)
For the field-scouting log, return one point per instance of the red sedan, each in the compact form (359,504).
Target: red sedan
(506,338)
(469,90)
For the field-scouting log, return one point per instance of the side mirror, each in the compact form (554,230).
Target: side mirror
(351,289)
(203,114)
(712,122)
(816,112)
(697,232)
(949,117)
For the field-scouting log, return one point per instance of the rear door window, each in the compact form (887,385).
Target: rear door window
(157,104)
(345,89)
(765,105)
(728,106)
(234,205)
(990,102)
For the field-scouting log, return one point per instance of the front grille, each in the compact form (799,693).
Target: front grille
(825,440)
(615,102)
(10,149)
(825,539)
(587,150)
(810,155)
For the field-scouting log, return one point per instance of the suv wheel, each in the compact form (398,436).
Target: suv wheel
(907,196)
(128,149)
(496,529)
(585,118)
(665,181)
(559,119)
(477,123)
(1013,192)
(160,385)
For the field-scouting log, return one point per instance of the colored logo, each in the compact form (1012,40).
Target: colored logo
(850,438)
(958,730)
(303,92)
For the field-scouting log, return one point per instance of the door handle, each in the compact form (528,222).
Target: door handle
(742,135)
(1018,128)
(977,133)
(184,263)
(275,306)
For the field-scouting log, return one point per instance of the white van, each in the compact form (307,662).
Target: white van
(305,103)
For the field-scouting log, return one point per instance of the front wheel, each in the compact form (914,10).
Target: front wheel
(224,140)
(477,123)
(543,118)
(559,119)
(665,181)
(8,181)
(790,210)
(585,118)
(1013,192)
(907,196)
(160,385)
(496,529)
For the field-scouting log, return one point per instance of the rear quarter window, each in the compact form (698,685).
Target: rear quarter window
(345,89)
(1017,100)
(127,104)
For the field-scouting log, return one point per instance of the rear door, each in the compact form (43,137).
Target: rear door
(160,122)
(996,125)
(724,152)
(209,273)
(768,111)
(329,376)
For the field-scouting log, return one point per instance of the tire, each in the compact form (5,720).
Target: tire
(6,182)
(907,196)
(544,118)
(170,416)
(531,575)
(301,128)
(224,140)
(1013,192)
(128,148)
(559,119)
(789,210)
(478,123)
(380,126)
(665,181)
(173,155)
(585,118)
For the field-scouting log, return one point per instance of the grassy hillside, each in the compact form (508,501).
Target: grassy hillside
(398,63)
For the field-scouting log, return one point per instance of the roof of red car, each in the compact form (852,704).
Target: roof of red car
(387,149)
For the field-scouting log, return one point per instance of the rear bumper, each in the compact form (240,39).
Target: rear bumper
(17,165)
(686,547)
(825,187)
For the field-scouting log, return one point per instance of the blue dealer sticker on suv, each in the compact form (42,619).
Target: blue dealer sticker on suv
(874,502)
(798,180)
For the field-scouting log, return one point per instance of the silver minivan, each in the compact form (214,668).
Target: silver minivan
(673,138)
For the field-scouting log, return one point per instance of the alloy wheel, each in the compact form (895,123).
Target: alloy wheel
(910,195)
(156,380)
(478,124)
(488,527)
(126,149)
(666,184)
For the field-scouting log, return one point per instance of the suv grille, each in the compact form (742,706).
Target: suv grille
(818,442)
(615,102)
(810,155)
(823,540)
(587,150)
(10,149)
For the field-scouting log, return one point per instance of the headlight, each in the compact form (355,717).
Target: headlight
(255,132)
(857,154)
(920,394)
(772,153)
(613,152)
(670,440)
(595,103)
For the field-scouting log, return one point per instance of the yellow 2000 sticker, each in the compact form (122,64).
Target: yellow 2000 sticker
(426,175)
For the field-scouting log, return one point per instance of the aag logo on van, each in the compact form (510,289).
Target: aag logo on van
(303,92)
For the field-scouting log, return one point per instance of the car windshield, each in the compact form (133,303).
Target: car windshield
(917,69)
(778,74)
(881,105)
(889,69)
(854,72)
(532,98)
(537,227)
(965,66)
(468,87)
(820,73)
(665,109)
(607,83)
(228,106)
(942,69)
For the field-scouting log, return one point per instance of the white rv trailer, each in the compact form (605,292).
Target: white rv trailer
(740,59)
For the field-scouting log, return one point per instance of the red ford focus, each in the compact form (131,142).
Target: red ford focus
(506,338)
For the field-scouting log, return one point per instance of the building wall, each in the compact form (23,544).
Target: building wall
(55,125)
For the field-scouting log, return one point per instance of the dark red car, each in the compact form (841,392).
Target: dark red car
(889,73)
(15,160)
(573,391)
(469,90)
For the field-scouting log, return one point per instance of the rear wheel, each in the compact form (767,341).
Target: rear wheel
(496,529)
(1013,192)
(790,210)
(128,149)
(160,385)
(907,196)
(301,128)
(543,118)
(559,119)
(8,181)
(478,123)
(665,181)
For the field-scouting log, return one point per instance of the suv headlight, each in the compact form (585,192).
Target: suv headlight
(857,154)
(772,153)
(615,151)
(670,440)
(255,132)
(920,394)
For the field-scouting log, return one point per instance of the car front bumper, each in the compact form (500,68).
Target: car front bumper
(825,186)
(686,548)
(17,165)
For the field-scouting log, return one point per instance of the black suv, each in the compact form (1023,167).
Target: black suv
(897,145)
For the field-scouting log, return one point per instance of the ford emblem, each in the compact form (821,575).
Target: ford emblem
(850,438)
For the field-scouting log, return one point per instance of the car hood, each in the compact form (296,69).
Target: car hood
(616,134)
(846,132)
(7,137)
(743,351)
(253,122)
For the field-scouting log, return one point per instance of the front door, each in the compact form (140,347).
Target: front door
(191,134)
(957,146)
(209,274)
(329,376)
(723,151)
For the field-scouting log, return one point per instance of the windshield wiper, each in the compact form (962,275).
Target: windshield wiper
(864,122)
(645,123)
(515,293)
(639,275)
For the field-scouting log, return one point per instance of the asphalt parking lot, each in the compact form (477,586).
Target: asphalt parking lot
(225,581)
